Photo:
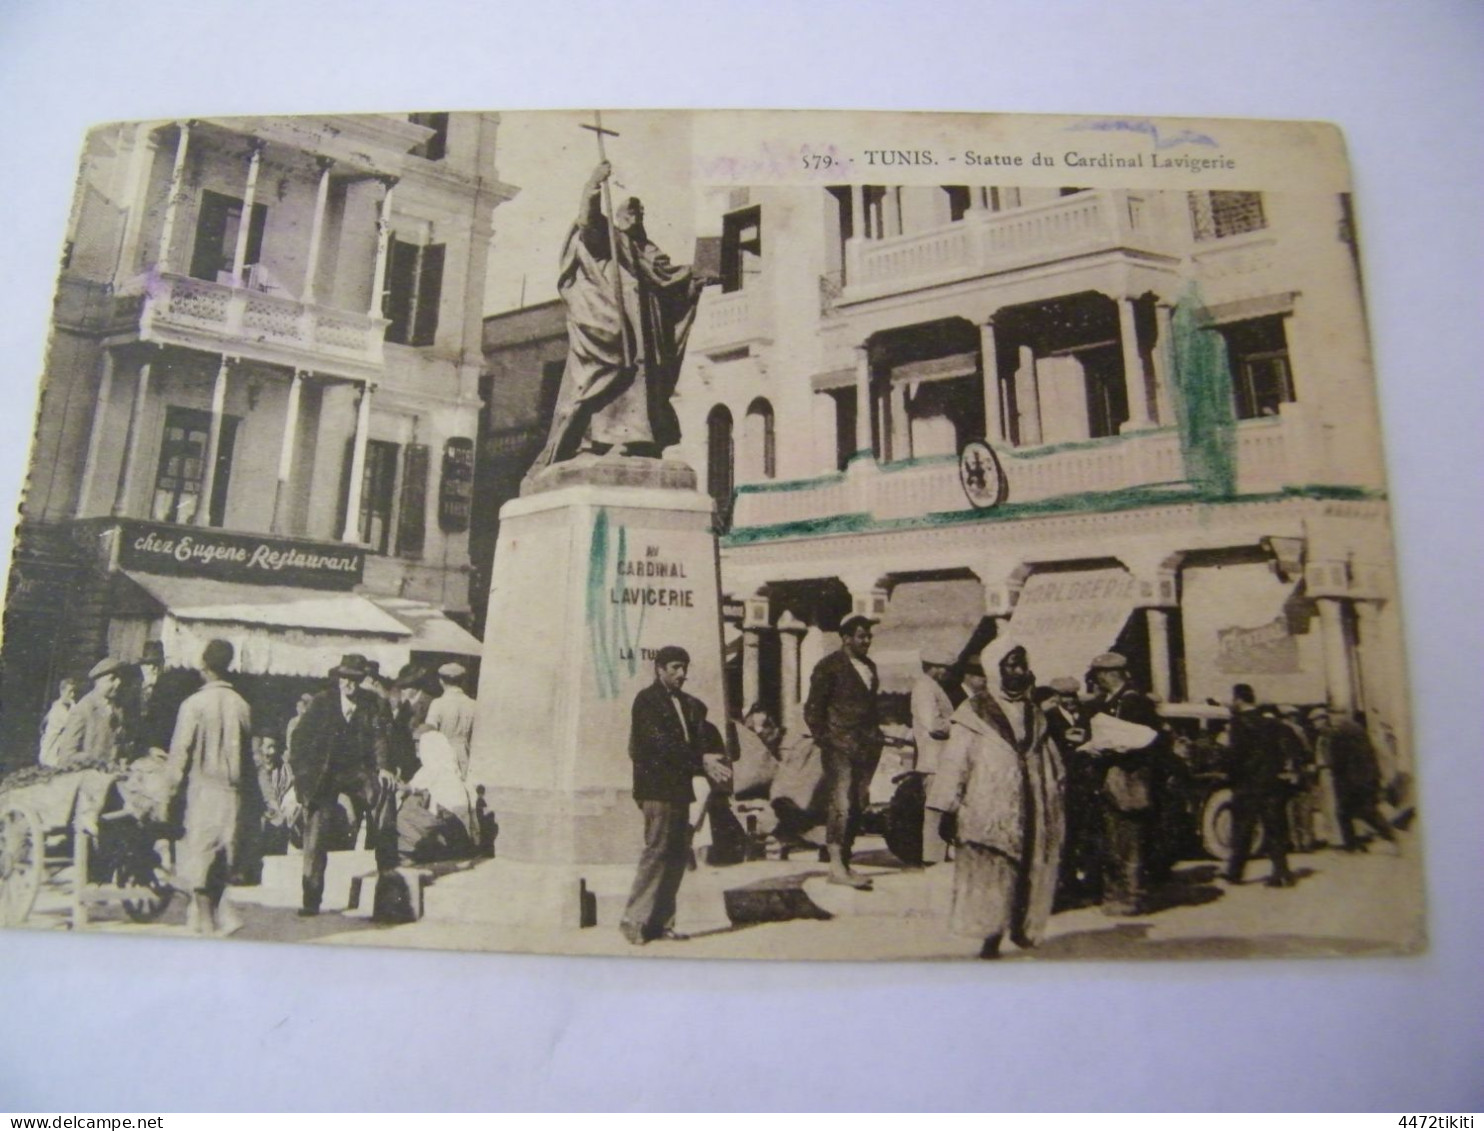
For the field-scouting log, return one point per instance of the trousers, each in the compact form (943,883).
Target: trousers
(370,802)
(662,864)
(847,782)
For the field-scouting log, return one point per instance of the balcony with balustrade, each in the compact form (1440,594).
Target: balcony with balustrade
(987,243)
(1138,468)
(731,320)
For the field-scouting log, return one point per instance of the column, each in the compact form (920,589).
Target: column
(858,211)
(900,423)
(244,227)
(352,531)
(286,452)
(1339,662)
(1161,670)
(864,438)
(1136,388)
(141,163)
(316,228)
(172,199)
(383,241)
(1164,362)
(790,697)
(213,443)
(95,435)
(751,666)
(125,489)
(891,209)
(1028,397)
(989,362)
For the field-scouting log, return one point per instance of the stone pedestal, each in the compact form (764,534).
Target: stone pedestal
(600,563)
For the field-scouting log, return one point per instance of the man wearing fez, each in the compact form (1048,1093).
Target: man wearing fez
(341,746)
(932,709)
(210,753)
(1081,872)
(667,744)
(841,713)
(627,324)
(95,731)
(1127,787)
(452,714)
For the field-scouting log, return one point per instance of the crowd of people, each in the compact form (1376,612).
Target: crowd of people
(1052,795)
(363,760)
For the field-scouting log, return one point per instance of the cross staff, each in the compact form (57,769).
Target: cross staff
(600,132)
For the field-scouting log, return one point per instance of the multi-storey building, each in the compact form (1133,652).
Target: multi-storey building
(260,399)
(1178,390)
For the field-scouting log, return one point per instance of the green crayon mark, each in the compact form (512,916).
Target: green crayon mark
(1203,398)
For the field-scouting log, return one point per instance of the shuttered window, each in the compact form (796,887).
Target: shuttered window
(414,285)
(412,515)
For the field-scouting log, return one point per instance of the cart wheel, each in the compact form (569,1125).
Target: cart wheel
(1216,827)
(144,872)
(22,861)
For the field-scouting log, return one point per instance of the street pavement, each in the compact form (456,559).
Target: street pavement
(1343,904)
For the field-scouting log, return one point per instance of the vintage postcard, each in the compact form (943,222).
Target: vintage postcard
(715,534)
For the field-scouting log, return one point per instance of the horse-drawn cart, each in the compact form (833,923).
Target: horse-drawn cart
(99,833)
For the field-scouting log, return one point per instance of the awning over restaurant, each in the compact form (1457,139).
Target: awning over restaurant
(431,630)
(1066,618)
(280,630)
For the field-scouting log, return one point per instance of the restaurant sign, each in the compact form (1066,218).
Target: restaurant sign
(185,551)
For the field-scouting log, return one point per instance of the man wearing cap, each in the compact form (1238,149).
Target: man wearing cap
(94,731)
(841,713)
(341,746)
(668,746)
(1346,748)
(452,714)
(1127,787)
(1081,870)
(412,696)
(210,754)
(931,708)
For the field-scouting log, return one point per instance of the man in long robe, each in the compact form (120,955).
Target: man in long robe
(1001,773)
(623,356)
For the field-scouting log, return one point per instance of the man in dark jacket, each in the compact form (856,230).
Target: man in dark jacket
(1259,760)
(668,746)
(341,747)
(841,713)
(1128,792)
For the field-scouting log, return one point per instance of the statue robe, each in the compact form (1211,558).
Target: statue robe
(622,360)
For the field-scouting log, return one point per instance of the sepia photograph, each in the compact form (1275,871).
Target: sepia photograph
(740,557)
(850,536)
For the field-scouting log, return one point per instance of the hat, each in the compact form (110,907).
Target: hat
(154,653)
(1065,685)
(373,668)
(1318,712)
(939,657)
(1288,711)
(453,670)
(107,666)
(352,665)
(411,675)
(1108,662)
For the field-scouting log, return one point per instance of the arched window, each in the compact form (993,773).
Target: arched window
(719,462)
(760,440)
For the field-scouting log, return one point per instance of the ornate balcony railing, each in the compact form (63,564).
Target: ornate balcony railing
(277,328)
(986,242)
(1081,470)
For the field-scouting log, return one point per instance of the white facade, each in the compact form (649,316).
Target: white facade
(1178,389)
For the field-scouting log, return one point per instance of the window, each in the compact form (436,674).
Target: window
(182,471)
(762,451)
(719,463)
(436,147)
(378,490)
(1258,354)
(414,282)
(217,226)
(958,201)
(741,248)
(1216,215)
(1107,394)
